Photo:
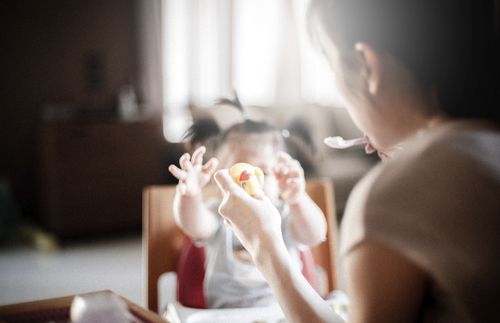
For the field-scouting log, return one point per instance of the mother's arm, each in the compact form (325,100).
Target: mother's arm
(298,300)
(257,224)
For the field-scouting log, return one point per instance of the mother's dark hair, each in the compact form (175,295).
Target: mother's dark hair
(449,45)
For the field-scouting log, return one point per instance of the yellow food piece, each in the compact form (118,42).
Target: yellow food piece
(248,177)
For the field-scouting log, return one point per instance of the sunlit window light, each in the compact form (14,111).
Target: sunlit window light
(255,41)
(213,46)
(176,53)
(205,86)
(317,80)
(177,57)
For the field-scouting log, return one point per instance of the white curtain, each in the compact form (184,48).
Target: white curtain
(200,50)
(316,79)
(150,78)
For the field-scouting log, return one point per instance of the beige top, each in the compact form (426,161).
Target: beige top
(438,204)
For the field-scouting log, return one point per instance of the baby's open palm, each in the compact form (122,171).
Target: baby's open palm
(193,175)
(290,176)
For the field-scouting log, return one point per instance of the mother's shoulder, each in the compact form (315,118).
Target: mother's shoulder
(449,156)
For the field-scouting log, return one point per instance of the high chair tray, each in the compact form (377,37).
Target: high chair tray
(177,313)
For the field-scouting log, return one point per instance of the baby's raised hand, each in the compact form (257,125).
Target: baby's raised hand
(193,175)
(290,176)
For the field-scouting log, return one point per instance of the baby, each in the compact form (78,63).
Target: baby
(231,280)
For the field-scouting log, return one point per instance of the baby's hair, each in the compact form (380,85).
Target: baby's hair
(248,134)
(206,130)
(296,138)
(201,131)
(235,103)
(249,127)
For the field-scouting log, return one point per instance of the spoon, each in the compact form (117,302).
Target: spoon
(341,143)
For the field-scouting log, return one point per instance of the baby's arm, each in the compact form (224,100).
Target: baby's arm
(307,223)
(190,211)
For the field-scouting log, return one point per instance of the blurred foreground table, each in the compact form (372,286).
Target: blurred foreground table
(58,310)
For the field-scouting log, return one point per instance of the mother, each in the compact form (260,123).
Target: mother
(421,233)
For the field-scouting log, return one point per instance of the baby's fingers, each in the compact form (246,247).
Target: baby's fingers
(177,172)
(210,166)
(286,164)
(283,173)
(283,157)
(185,162)
(292,182)
(197,158)
(281,169)
(183,159)
(294,173)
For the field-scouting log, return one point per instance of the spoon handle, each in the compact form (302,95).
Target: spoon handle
(339,142)
(356,141)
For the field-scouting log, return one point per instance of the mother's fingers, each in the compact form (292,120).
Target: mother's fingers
(228,186)
(225,182)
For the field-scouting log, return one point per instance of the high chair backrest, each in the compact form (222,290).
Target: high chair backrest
(163,240)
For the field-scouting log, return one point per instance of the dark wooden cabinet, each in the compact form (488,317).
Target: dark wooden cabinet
(92,174)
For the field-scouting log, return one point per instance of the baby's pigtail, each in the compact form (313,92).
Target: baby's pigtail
(203,132)
(235,103)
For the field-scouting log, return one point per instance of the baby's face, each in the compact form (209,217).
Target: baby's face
(260,153)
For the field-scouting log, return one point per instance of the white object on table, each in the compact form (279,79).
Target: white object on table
(100,308)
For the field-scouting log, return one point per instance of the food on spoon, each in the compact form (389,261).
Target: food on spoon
(249,177)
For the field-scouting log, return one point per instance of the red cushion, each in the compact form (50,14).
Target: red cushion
(190,275)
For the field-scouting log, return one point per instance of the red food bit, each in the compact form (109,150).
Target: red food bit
(244,176)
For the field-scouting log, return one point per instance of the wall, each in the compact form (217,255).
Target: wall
(57,51)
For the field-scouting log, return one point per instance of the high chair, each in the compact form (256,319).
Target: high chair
(164,243)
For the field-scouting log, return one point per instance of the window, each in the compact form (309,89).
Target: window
(259,48)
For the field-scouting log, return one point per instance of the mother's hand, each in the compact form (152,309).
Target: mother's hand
(257,224)
(254,220)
